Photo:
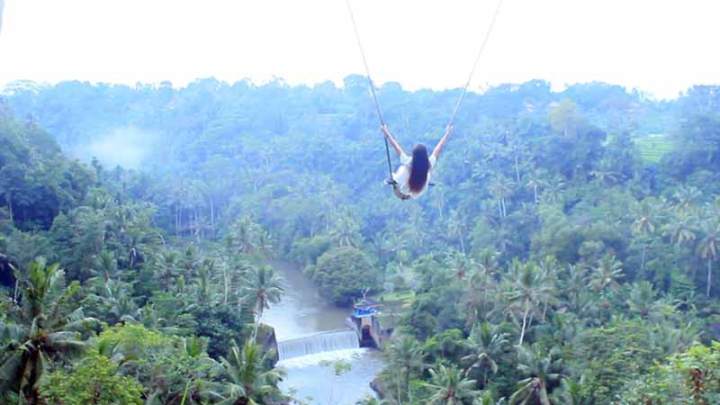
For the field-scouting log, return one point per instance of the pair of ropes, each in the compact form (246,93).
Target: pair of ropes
(460,99)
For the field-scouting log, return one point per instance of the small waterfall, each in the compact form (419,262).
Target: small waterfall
(318,343)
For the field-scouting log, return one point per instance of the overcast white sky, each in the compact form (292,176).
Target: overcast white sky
(660,46)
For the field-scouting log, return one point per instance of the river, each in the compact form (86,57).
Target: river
(303,312)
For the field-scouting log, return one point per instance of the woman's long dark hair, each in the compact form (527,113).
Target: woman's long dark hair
(419,168)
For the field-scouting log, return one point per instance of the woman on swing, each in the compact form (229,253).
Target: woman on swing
(413,176)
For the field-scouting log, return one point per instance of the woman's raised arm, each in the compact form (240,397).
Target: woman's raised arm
(439,147)
(393,142)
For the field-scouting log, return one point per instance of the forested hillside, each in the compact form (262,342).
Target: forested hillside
(567,254)
(99,305)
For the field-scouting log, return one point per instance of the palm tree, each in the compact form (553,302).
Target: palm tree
(44,330)
(250,381)
(708,248)
(686,197)
(574,284)
(606,274)
(501,188)
(141,241)
(264,242)
(521,156)
(405,356)
(188,263)
(540,370)
(487,343)
(109,300)
(564,118)
(487,398)
(107,264)
(460,263)
(681,229)
(535,182)
(673,340)
(549,269)
(528,290)
(571,392)
(150,317)
(604,173)
(345,230)
(246,236)
(457,228)
(199,388)
(188,377)
(553,192)
(449,386)
(482,279)
(166,269)
(642,299)
(205,272)
(262,286)
(644,225)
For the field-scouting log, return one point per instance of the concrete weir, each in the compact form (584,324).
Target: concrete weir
(318,343)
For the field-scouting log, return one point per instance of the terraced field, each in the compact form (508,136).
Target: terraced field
(652,147)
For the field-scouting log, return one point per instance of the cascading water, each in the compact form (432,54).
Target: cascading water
(302,316)
(318,343)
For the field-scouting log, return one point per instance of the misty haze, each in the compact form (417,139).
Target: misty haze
(126,147)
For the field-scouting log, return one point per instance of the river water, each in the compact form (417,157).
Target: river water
(309,378)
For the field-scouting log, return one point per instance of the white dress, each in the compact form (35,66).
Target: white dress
(402,176)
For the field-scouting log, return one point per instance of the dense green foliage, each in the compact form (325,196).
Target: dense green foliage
(690,377)
(564,256)
(343,273)
(93,381)
(143,317)
(36,182)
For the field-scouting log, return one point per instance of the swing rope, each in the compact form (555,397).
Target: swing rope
(372,87)
(460,100)
(483,45)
